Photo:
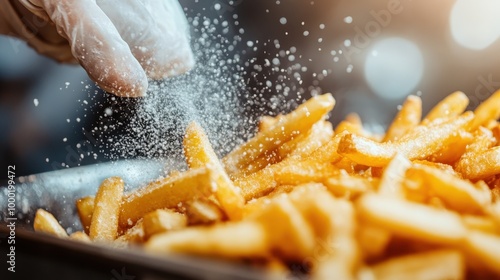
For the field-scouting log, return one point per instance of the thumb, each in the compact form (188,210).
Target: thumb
(97,46)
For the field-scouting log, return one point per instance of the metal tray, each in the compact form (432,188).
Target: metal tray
(40,256)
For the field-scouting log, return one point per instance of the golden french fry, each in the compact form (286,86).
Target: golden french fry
(161,220)
(420,143)
(456,193)
(450,107)
(372,240)
(391,182)
(203,212)
(169,192)
(451,153)
(412,220)
(407,118)
(481,223)
(45,222)
(437,264)
(486,248)
(85,208)
(482,165)
(104,224)
(298,121)
(79,236)
(345,185)
(199,153)
(286,226)
(266,122)
(232,240)
(305,144)
(349,127)
(486,111)
(304,172)
(134,234)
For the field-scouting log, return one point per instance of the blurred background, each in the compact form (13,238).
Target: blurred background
(369,54)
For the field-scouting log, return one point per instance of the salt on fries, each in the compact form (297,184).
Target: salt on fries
(420,202)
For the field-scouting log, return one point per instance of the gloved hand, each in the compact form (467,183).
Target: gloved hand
(120,43)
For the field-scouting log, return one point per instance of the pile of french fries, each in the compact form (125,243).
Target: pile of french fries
(420,202)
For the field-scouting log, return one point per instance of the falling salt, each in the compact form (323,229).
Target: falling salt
(283,20)
(322,26)
(65,139)
(306,33)
(35,101)
(348,19)
(217,6)
(349,68)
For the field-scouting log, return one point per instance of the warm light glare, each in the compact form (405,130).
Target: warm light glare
(394,67)
(475,24)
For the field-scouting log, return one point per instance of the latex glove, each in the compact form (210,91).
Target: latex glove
(120,43)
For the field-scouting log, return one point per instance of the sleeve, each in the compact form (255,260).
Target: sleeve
(23,20)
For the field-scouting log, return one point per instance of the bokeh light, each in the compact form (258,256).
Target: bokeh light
(475,24)
(394,67)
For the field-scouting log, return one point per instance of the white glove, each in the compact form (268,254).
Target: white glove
(119,42)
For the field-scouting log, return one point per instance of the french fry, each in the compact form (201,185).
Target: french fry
(305,144)
(85,209)
(80,236)
(161,220)
(372,240)
(199,153)
(304,172)
(266,122)
(456,193)
(486,111)
(132,235)
(168,193)
(230,240)
(407,118)
(486,248)
(422,142)
(437,264)
(298,121)
(104,224)
(203,212)
(45,222)
(482,165)
(345,185)
(391,182)
(481,223)
(450,107)
(412,220)
(451,153)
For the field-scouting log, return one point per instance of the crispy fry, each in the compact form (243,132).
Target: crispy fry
(456,193)
(203,212)
(304,172)
(345,185)
(407,118)
(85,208)
(230,240)
(438,264)
(391,182)
(199,153)
(486,248)
(104,224)
(412,220)
(482,166)
(307,143)
(132,235)
(450,107)
(486,111)
(167,193)
(298,121)
(161,220)
(80,236)
(422,142)
(45,222)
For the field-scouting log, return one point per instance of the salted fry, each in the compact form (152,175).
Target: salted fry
(483,165)
(298,121)
(161,220)
(199,153)
(243,239)
(391,182)
(80,236)
(203,212)
(438,264)
(422,142)
(132,235)
(85,208)
(167,193)
(345,185)
(307,143)
(450,107)
(412,220)
(304,172)
(45,222)
(407,118)
(456,193)
(104,224)
(486,111)
(486,248)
